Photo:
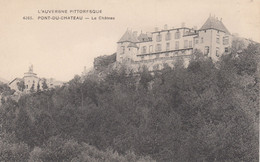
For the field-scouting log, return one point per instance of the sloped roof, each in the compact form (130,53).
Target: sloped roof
(128,37)
(214,23)
(132,45)
(19,79)
(143,37)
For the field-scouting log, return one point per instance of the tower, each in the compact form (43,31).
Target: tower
(213,38)
(30,79)
(126,47)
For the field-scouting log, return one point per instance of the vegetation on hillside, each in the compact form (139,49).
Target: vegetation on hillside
(205,112)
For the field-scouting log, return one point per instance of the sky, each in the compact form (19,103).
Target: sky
(61,48)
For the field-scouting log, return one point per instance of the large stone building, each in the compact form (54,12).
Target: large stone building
(163,46)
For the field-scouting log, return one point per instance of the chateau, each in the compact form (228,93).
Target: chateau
(154,49)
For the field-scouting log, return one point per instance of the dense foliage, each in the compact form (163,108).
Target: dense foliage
(205,112)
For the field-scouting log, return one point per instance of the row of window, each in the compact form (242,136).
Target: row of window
(168,36)
(167,54)
(206,51)
(225,40)
(187,44)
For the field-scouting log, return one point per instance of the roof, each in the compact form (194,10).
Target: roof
(214,23)
(19,79)
(128,37)
(132,45)
(143,37)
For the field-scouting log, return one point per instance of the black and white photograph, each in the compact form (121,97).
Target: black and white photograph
(129,80)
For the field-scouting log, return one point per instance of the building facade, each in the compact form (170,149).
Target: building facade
(164,46)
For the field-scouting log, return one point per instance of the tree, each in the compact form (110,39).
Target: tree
(44,84)
(145,77)
(24,130)
(38,87)
(33,87)
(21,85)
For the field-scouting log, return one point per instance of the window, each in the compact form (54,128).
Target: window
(201,40)
(177,35)
(158,37)
(144,49)
(185,43)
(151,49)
(217,40)
(158,47)
(122,49)
(190,44)
(167,46)
(226,49)
(167,54)
(168,36)
(197,41)
(225,40)
(176,45)
(206,50)
(217,51)
(157,56)
(142,57)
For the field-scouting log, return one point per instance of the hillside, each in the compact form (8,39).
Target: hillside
(198,113)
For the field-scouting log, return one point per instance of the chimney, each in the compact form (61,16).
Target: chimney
(165,27)
(156,29)
(195,27)
(182,24)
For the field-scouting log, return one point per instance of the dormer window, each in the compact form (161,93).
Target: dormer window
(168,36)
(177,35)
